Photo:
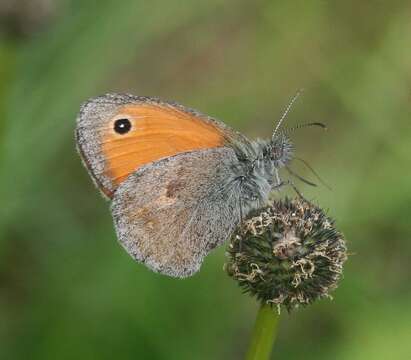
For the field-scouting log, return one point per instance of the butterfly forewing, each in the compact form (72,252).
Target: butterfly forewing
(155,130)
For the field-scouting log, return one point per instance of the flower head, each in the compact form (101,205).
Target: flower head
(288,253)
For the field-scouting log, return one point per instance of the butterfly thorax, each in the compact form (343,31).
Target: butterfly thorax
(257,173)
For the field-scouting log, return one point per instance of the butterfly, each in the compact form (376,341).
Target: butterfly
(179,181)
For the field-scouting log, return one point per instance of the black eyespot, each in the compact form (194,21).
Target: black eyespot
(122,126)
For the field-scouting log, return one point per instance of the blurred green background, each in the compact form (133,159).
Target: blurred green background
(69,291)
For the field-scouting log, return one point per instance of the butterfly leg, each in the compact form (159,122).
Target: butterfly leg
(290,183)
(279,184)
(240,202)
(277,178)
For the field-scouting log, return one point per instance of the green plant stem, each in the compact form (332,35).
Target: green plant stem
(264,333)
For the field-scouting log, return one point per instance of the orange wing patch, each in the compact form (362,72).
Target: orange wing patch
(157,131)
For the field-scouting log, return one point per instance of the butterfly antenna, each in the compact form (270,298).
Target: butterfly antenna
(300,126)
(286,111)
(314,172)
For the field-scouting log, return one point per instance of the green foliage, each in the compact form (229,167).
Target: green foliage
(67,289)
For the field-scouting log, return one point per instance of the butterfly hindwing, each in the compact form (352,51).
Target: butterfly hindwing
(171,213)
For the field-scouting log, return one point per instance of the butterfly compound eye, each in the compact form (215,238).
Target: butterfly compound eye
(122,126)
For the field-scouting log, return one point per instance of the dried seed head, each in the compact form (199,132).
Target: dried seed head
(288,253)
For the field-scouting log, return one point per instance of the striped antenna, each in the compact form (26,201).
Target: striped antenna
(287,109)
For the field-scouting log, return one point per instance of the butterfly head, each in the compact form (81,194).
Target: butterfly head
(280,150)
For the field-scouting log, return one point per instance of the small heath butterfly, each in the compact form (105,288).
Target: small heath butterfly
(179,181)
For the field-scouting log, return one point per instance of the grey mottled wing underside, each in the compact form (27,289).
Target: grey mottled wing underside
(170,214)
